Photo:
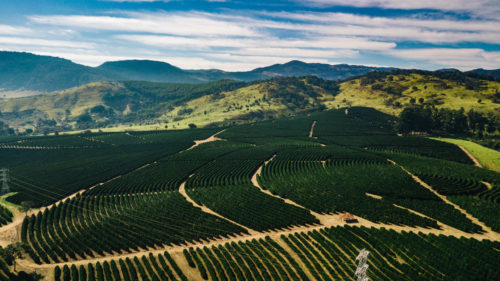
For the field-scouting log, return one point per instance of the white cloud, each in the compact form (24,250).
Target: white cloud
(4,40)
(231,40)
(202,43)
(482,8)
(356,19)
(445,5)
(464,58)
(159,23)
(13,30)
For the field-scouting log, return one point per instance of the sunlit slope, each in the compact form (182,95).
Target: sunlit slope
(390,93)
(67,103)
(269,99)
(148,105)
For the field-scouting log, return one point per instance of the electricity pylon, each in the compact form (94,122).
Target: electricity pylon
(4,179)
(362,260)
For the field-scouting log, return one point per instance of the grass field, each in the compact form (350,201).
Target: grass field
(489,158)
(438,92)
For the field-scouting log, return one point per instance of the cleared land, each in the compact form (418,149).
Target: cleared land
(487,157)
(267,203)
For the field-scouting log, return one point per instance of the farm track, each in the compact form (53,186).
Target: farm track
(474,159)
(489,233)
(182,191)
(327,220)
(209,139)
(10,233)
(311,132)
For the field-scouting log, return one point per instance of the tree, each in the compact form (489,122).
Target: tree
(415,118)
(14,251)
(192,126)
(26,206)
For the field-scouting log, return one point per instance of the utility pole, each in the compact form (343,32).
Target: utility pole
(4,179)
(362,260)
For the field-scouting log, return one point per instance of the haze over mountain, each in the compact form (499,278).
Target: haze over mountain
(29,72)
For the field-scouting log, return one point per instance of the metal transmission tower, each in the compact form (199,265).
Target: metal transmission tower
(362,259)
(4,179)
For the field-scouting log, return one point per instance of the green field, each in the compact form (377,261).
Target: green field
(487,157)
(261,201)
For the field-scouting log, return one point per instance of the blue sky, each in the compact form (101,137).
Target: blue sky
(242,35)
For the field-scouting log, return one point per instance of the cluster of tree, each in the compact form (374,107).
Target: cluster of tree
(5,130)
(418,118)
(9,255)
(471,80)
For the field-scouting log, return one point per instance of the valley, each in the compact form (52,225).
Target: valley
(261,201)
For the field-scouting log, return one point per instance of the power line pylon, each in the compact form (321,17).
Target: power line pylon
(362,260)
(4,179)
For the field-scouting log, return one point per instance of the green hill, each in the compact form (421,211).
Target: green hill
(148,105)
(390,92)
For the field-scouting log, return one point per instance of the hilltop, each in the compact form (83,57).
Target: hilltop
(148,105)
(390,92)
(24,74)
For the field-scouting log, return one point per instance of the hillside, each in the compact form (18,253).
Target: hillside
(390,92)
(148,105)
(493,72)
(111,104)
(27,72)
(146,70)
(24,74)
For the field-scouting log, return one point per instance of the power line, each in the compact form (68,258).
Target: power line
(362,260)
(4,178)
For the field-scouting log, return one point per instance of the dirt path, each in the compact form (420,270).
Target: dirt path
(11,233)
(312,129)
(327,220)
(487,184)
(209,139)
(182,191)
(489,233)
(474,159)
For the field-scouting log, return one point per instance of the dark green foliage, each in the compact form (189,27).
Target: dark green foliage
(42,179)
(74,273)
(247,205)
(66,273)
(57,273)
(82,273)
(429,119)
(5,216)
(99,272)
(91,272)
(189,259)
(199,264)
(485,210)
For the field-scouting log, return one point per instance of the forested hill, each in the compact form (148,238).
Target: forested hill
(147,105)
(27,74)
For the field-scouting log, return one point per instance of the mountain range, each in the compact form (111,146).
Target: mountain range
(25,72)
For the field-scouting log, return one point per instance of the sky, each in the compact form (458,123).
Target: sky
(241,35)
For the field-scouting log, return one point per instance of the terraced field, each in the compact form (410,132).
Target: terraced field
(261,201)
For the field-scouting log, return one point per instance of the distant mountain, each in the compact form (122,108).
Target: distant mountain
(29,72)
(494,72)
(147,70)
(298,68)
(25,71)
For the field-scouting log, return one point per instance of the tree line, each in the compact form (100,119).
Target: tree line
(418,118)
